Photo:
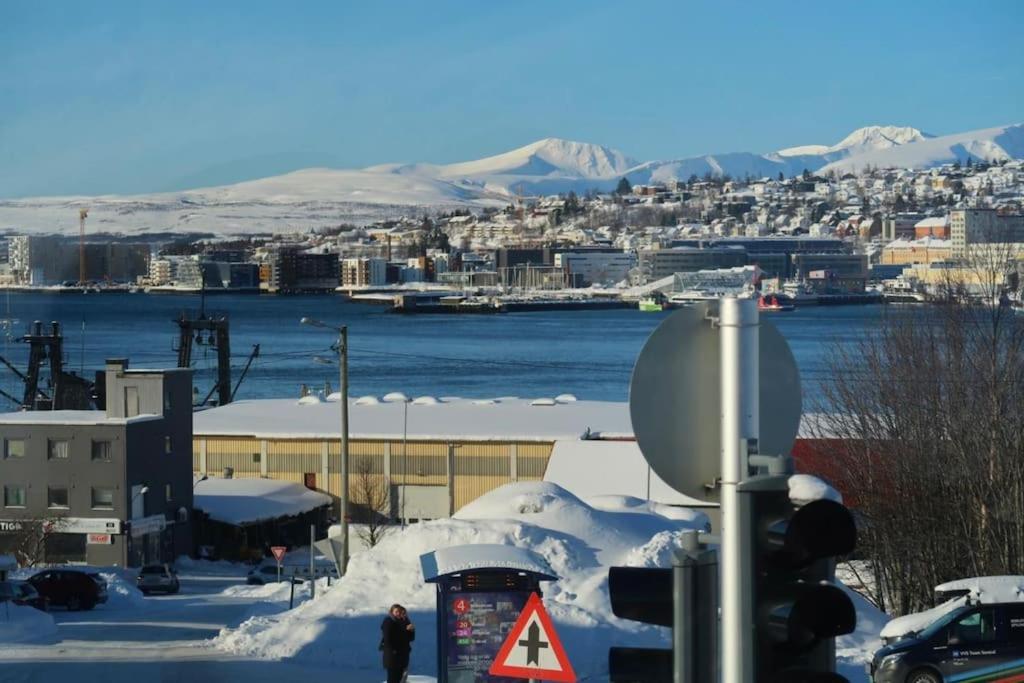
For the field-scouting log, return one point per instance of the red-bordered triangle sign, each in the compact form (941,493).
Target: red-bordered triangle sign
(532,649)
(279,551)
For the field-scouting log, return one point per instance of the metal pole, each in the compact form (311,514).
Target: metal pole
(405,470)
(738,321)
(343,343)
(312,561)
(684,612)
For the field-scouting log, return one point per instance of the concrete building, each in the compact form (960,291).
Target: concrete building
(596,267)
(925,250)
(969,227)
(303,272)
(656,264)
(364,272)
(116,484)
(47,260)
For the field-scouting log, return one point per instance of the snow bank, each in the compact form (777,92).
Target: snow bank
(20,624)
(579,542)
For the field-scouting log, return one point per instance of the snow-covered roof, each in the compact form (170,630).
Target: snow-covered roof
(933,222)
(462,419)
(600,468)
(71,417)
(247,501)
(444,561)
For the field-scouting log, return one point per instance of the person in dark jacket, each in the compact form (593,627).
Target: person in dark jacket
(396,636)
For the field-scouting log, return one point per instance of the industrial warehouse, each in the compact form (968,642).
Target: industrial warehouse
(431,455)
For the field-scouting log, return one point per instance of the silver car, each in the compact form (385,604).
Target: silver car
(160,578)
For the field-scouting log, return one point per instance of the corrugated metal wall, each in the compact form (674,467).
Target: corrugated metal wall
(480,467)
(242,455)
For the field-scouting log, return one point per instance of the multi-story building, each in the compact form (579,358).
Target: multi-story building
(656,264)
(969,227)
(364,272)
(925,250)
(44,259)
(110,486)
(596,267)
(298,271)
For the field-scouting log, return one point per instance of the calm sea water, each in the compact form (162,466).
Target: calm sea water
(587,353)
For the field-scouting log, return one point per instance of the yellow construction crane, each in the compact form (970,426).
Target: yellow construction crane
(82,213)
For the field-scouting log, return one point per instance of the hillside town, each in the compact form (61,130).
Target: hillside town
(882,230)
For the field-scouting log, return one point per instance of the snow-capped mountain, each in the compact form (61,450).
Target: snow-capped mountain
(321,196)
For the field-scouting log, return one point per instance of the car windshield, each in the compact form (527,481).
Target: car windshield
(940,623)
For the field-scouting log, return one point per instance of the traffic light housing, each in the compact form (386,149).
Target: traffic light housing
(797,609)
(640,594)
(685,599)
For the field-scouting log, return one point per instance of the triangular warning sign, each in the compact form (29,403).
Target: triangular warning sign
(532,649)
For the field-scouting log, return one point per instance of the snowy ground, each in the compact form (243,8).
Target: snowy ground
(219,629)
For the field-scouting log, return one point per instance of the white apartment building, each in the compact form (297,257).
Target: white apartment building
(969,227)
(364,272)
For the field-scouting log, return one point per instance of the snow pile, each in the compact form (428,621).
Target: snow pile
(857,648)
(122,589)
(579,542)
(20,624)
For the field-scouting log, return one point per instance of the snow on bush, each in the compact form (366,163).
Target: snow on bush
(578,540)
(21,624)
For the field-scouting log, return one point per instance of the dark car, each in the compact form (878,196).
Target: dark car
(971,643)
(68,588)
(158,577)
(22,593)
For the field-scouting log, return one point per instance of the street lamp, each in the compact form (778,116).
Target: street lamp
(343,363)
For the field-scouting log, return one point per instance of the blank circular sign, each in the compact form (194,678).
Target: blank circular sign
(675,400)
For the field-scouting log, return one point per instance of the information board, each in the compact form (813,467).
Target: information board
(477,626)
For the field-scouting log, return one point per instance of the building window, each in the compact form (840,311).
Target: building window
(101,451)
(102,498)
(167,493)
(256,458)
(57,497)
(167,445)
(58,449)
(14,496)
(167,401)
(14,448)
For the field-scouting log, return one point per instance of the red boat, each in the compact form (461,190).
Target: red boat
(772,303)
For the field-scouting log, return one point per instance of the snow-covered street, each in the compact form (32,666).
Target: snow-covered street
(163,638)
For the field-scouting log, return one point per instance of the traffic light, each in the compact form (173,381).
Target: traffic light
(685,599)
(797,609)
(640,594)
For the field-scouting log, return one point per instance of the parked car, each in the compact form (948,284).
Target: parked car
(22,593)
(101,582)
(158,578)
(69,588)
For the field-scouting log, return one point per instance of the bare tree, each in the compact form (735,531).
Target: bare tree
(26,538)
(372,496)
(926,435)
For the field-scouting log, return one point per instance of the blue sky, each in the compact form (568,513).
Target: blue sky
(126,97)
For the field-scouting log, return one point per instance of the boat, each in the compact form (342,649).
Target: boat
(649,305)
(771,303)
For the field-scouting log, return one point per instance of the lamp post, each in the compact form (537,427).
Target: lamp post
(343,363)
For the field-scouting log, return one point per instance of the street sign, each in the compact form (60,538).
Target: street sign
(532,649)
(279,551)
(332,547)
(98,539)
(675,399)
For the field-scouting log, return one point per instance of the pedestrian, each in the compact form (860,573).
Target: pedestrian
(396,636)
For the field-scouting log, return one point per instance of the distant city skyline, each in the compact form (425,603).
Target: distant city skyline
(124,98)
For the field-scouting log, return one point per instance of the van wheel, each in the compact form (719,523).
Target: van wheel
(74,604)
(923,676)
